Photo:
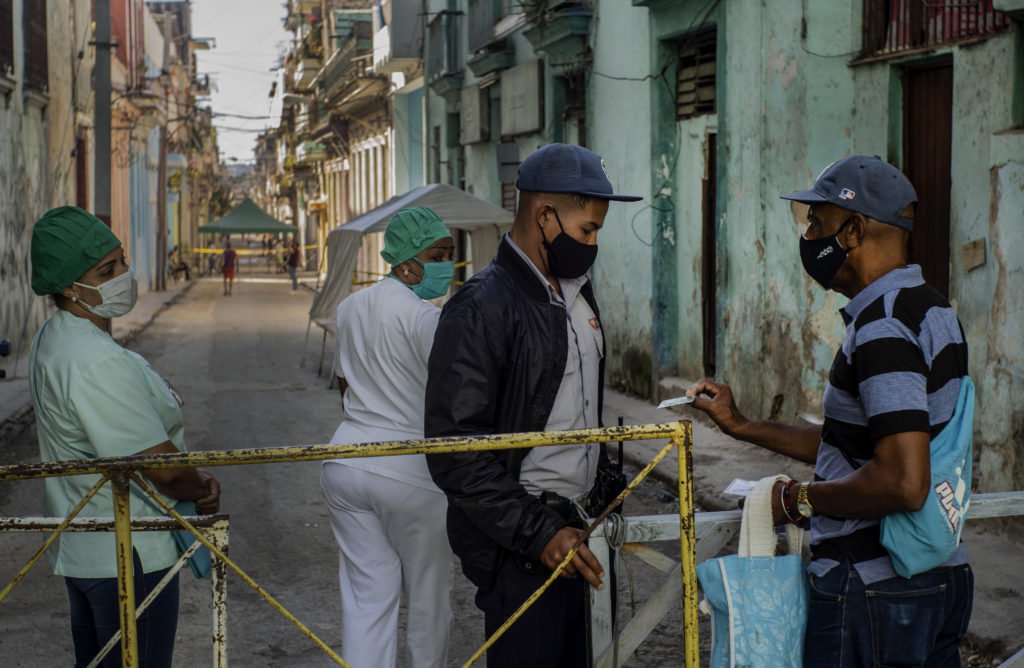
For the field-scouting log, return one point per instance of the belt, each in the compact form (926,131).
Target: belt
(861,545)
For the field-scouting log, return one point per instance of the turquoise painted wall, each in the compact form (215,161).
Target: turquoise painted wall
(409,145)
(789,102)
(619,130)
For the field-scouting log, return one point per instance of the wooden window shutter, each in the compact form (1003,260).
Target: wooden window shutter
(695,85)
(508,196)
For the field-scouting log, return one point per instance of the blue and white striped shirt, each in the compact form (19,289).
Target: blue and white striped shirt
(898,370)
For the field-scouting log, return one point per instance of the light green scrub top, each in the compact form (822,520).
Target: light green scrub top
(94,398)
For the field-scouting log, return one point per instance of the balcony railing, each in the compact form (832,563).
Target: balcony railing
(898,26)
(305,72)
(309,152)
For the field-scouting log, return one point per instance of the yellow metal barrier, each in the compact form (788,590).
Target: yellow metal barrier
(246,251)
(120,470)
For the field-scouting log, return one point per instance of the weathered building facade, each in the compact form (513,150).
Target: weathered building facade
(711,110)
(349,99)
(47,137)
(41,145)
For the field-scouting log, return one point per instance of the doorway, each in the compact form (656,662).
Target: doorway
(927,156)
(709,254)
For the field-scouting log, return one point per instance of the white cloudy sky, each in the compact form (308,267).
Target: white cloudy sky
(250,37)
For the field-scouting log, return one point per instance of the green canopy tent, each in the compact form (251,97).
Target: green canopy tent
(247,218)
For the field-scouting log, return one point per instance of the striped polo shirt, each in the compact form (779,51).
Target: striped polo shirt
(898,370)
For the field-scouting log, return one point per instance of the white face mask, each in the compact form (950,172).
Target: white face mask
(119,295)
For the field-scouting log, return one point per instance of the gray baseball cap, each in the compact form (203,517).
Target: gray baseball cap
(865,184)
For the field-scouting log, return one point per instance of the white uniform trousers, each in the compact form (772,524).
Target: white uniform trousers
(393,542)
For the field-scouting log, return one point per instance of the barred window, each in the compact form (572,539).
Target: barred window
(35,44)
(695,85)
(896,26)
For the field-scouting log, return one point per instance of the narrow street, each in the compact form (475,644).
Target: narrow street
(235,362)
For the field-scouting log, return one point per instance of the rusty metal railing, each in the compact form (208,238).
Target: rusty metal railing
(119,470)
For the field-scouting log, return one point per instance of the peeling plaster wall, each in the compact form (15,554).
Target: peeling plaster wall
(1001,370)
(623,273)
(785,112)
(988,203)
(36,133)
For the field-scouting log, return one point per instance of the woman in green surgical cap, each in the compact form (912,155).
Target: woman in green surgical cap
(94,398)
(386,513)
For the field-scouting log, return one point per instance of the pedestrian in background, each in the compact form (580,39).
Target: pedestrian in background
(93,398)
(229,260)
(520,348)
(387,515)
(212,259)
(293,264)
(893,386)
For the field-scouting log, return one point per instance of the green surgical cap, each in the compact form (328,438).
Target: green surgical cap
(67,242)
(410,231)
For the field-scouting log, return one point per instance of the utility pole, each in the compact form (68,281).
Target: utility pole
(161,193)
(101,118)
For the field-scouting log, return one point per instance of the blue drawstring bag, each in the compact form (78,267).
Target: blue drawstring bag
(921,540)
(758,601)
(201,561)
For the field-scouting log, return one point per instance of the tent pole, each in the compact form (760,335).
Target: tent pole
(305,345)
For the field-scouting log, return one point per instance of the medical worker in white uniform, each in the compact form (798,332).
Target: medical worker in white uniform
(386,513)
(94,398)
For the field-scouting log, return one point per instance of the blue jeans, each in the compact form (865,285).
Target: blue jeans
(295,282)
(896,622)
(94,618)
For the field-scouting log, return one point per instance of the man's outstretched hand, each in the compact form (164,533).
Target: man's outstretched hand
(583,562)
(716,400)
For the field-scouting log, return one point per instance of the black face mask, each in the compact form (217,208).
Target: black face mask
(822,258)
(568,258)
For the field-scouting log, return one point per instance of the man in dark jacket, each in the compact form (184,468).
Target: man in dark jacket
(520,348)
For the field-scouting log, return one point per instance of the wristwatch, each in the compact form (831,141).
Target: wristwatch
(802,504)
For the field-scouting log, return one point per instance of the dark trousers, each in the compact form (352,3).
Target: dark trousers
(550,634)
(95,618)
(916,621)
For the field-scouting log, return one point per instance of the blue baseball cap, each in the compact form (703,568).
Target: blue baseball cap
(567,168)
(865,184)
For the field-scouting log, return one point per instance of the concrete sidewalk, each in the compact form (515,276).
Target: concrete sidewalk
(15,398)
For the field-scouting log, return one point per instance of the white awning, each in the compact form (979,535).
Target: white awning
(458,209)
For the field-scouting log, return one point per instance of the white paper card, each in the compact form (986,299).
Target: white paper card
(740,487)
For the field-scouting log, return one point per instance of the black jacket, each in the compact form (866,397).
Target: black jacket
(497,362)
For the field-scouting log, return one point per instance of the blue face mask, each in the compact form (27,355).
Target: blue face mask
(434,281)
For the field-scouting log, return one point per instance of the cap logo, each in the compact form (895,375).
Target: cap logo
(847,195)
(605,170)
(827,250)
